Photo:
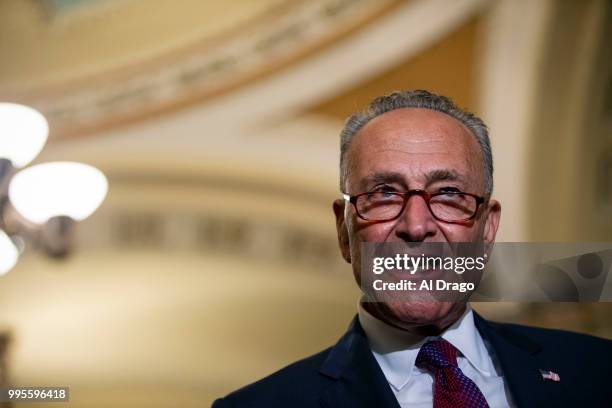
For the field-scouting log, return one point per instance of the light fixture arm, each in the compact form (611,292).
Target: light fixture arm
(56,236)
(6,169)
(6,172)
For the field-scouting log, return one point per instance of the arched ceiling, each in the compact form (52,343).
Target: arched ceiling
(47,42)
(448,67)
(111,62)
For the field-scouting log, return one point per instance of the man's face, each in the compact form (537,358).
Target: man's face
(409,149)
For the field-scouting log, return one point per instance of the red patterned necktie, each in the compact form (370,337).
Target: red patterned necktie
(452,388)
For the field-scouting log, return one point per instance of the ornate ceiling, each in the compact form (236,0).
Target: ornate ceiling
(91,65)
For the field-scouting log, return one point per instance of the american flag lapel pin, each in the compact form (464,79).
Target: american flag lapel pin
(548,375)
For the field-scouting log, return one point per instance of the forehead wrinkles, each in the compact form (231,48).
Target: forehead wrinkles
(407,138)
(404,146)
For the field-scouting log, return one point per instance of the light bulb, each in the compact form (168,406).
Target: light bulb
(8,253)
(55,189)
(23,133)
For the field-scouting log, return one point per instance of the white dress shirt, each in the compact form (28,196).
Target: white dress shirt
(396,352)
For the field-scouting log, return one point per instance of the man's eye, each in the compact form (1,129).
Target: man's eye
(384,189)
(449,190)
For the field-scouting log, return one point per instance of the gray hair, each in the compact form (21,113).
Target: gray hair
(417,99)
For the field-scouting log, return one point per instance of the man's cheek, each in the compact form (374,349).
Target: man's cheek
(375,232)
(461,233)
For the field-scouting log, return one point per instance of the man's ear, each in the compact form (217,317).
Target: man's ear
(342,231)
(492,221)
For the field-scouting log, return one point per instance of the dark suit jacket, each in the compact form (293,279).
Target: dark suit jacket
(347,374)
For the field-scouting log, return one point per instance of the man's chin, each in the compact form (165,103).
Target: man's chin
(414,314)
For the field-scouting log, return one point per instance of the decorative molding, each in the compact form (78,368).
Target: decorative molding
(252,238)
(209,71)
(304,50)
(288,226)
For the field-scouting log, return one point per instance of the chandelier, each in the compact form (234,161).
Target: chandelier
(39,204)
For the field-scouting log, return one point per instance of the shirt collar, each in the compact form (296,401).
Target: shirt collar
(396,350)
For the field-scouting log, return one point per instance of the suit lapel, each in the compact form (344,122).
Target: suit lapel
(521,360)
(359,381)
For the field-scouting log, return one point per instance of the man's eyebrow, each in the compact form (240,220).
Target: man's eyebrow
(395,177)
(442,175)
(384,177)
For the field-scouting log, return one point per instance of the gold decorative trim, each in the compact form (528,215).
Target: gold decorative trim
(202,74)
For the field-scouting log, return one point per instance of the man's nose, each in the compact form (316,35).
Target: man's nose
(416,222)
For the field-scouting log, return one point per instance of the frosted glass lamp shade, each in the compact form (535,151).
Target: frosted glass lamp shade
(53,189)
(23,133)
(8,253)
